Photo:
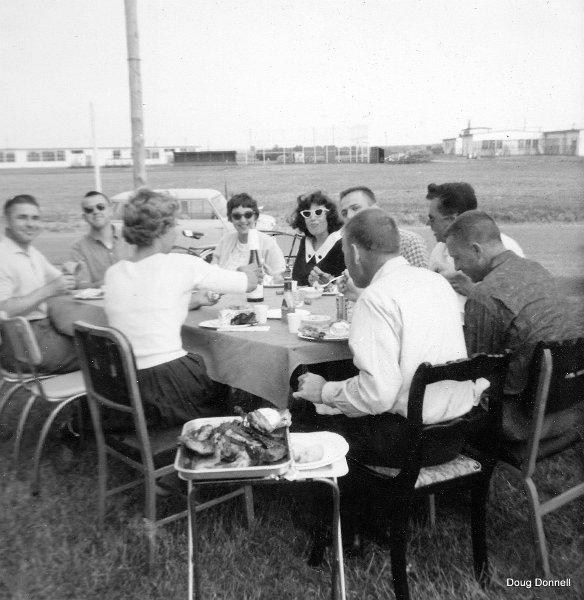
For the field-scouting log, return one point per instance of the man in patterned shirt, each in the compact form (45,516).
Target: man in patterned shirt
(515,306)
(352,200)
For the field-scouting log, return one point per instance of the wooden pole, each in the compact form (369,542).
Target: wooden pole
(96,166)
(133,42)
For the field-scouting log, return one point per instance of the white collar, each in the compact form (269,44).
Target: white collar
(330,241)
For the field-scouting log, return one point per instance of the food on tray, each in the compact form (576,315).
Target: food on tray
(268,419)
(239,443)
(308,454)
(237,315)
(340,328)
(312,293)
(316,326)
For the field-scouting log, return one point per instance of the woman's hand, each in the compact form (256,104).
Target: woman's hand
(318,276)
(207,298)
(254,274)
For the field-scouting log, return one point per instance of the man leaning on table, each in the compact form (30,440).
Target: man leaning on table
(102,246)
(27,281)
(394,329)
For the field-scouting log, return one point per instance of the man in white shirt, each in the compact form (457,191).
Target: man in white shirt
(447,201)
(394,329)
(27,280)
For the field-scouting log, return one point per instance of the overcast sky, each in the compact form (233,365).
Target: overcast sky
(223,73)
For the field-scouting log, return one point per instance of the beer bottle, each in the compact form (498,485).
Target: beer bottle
(257,294)
(288,305)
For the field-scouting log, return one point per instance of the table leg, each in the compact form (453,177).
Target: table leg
(337,568)
(194,568)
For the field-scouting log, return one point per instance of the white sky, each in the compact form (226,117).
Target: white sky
(222,73)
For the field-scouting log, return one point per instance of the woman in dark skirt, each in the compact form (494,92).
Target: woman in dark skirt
(148,297)
(317,218)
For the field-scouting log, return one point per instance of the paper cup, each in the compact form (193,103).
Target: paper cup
(293,322)
(261,311)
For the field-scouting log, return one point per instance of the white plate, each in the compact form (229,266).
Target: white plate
(89,294)
(334,447)
(327,338)
(274,313)
(273,285)
(216,324)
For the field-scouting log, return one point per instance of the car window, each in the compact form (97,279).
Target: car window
(196,208)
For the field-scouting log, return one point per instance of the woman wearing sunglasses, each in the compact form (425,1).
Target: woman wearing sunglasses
(317,218)
(232,250)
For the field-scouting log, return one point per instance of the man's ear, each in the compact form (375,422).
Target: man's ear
(356,253)
(478,250)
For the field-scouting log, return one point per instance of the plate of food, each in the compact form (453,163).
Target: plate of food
(218,323)
(318,328)
(89,294)
(256,444)
(317,449)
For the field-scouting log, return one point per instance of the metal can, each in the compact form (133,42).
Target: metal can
(341,307)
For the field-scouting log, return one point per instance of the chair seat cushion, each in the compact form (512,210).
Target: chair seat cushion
(458,467)
(64,386)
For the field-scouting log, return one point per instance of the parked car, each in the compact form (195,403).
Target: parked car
(201,211)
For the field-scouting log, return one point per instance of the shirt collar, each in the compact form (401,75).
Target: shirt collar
(391,265)
(498,260)
(13,247)
(115,231)
(330,241)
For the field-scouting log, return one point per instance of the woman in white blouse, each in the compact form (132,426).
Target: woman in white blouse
(232,251)
(147,298)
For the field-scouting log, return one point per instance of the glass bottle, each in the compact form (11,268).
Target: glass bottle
(288,305)
(257,294)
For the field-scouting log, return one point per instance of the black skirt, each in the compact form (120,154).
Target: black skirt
(180,390)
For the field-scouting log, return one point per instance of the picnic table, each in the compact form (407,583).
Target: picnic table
(258,362)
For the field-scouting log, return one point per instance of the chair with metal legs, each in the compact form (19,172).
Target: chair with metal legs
(59,390)
(109,369)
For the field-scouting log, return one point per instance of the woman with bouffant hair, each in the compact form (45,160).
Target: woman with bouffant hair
(316,216)
(147,298)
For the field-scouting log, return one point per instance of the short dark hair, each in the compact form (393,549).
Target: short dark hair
(304,201)
(373,229)
(19,199)
(359,188)
(95,193)
(455,198)
(244,200)
(474,226)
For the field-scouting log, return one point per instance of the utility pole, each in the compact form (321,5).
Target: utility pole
(133,43)
(313,146)
(96,171)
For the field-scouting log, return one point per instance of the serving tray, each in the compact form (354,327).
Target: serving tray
(192,467)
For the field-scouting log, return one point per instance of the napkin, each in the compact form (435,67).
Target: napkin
(245,329)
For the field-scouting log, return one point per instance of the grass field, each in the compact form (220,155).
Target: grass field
(533,189)
(51,547)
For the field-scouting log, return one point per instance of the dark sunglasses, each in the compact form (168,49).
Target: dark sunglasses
(91,210)
(317,212)
(248,214)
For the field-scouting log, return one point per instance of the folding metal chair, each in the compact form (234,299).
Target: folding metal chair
(394,489)
(554,396)
(109,369)
(59,390)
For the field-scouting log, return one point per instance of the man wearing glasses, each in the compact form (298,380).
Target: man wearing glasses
(102,246)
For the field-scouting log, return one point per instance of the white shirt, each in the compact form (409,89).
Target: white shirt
(23,272)
(230,253)
(406,316)
(148,301)
(442,262)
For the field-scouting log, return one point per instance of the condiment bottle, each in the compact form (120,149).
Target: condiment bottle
(288,305)
(341,307)
(253,242)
